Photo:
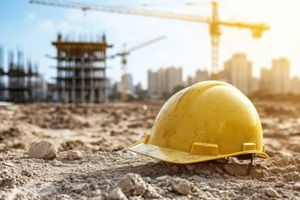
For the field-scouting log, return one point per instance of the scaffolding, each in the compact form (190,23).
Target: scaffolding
(81,76)
(17,84)
(2,74)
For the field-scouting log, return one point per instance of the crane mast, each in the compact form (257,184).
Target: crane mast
(215,34)
(214,22)
(123,56)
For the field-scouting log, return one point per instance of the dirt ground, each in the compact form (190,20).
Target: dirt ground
(104,169)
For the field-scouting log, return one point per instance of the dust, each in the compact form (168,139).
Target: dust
(92,161)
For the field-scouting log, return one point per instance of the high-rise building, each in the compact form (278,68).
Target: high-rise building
(156,83)
(239,72)
(201,75)
(189,81)
(173,78)
(280,76)
(163,81)
(265,77)
(129,83)
(81,70)
(277,79)
(294,85)
(19,83)
(255,84)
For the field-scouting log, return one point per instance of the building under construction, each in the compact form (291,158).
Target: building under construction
(81,76)
(18,84)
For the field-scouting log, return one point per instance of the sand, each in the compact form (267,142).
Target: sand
(93,163)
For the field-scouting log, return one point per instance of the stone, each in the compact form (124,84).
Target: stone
(236,169)
(116,194)
(63,197)
(161,178)
(74,155)
(42,150)
(297,186)
(151,192)
(271,192)
(132,185)
(181,186)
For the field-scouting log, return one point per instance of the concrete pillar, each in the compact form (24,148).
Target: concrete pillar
(82,79)
(73,98)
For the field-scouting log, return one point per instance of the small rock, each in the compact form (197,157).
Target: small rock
(97,193)
(236,169)
(297,185)
(25,172)
(63,197)
(116,194)
(271,192)
(136,198)
(181,186)
(279,184)
(7,182)
(258,173)
(9,164)
(147,179)
(42,150)
(132,184)
(74,155)
(151,193)
(161,178)
(56,163)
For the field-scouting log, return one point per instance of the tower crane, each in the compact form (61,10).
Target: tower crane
(214,22)
(123,56)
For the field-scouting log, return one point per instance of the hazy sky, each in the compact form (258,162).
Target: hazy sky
(32,28)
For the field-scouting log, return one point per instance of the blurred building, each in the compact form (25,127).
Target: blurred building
(81,70)
(115,91)
(51,92)
(239,72)
(173,78)
(223,76)
(156,83)
(189,81)
(280,76)
(2,74)
(129,83)
(277,79)
(294,85)
(162,82)
(20,82)
(265,76)
(138,88)
(39,89)
(201,75)
(255,85)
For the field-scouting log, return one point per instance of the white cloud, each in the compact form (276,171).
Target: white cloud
(64,28)
(46,26)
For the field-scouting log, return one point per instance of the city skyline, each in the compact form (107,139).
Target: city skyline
(34,27)
(237,71)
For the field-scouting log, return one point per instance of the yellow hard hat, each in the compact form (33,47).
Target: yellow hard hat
(206,121)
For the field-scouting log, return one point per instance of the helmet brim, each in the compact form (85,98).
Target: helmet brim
(181,157)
